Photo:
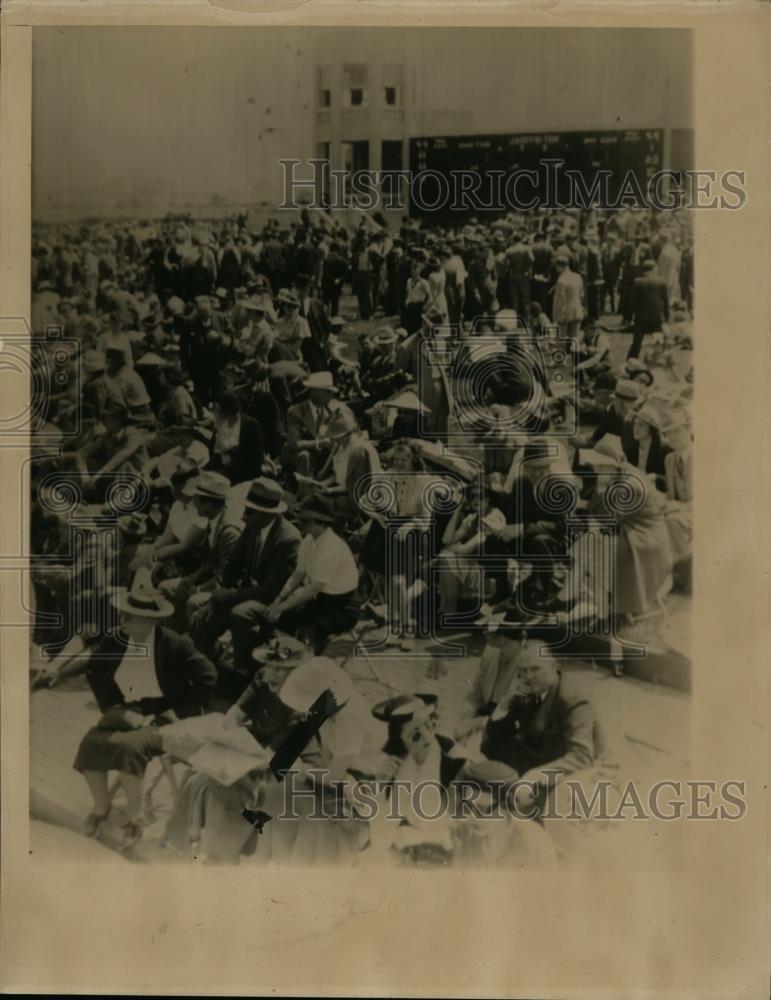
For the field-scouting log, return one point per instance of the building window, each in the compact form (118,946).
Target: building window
(325,98)
(357,97)
(391,96)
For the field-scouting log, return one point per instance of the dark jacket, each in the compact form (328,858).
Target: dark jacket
(185,677)
(651,302)
(561,732)
(656,454)
(246,460)
(260,575)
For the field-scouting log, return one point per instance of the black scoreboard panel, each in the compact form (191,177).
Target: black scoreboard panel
(619,152)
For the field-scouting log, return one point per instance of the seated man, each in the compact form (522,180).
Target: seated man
(307,444)
(258,567)
(318,600)
(551,727)
(211,490)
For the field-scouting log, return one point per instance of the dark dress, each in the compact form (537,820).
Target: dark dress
(186,680)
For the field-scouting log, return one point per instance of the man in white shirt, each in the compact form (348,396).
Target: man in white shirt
(318,600)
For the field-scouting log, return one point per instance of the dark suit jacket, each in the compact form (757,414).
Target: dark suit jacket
(216,553)
(246,460)
(185,677)
(313,310)
(656,455)
(651,301)
(260,575)
(611,422)
(560,733)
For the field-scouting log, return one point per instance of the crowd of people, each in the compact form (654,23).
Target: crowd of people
(320,425)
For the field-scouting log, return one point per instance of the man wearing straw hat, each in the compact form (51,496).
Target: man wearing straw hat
(307,443)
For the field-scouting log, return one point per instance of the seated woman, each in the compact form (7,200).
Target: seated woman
(404,492)
(414,754)
(142,677)
(465,539)
(643,554)
(419,828)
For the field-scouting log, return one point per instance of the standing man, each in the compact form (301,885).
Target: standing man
(519,267)
(568,297)
(542,269)
(651,306)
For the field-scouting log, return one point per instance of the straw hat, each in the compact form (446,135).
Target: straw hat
(320,380)
(308,681)
(265,495)
(407,401)
(142,602)
(402,708)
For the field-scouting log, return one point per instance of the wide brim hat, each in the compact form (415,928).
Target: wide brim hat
(626,389)
(402,708)
(142,602)
(309,680)
(288,298)
(151,360)
(320,380)
(407,401)
(385,335)
(648,413)
(433,453)
(212,486)
(265,495)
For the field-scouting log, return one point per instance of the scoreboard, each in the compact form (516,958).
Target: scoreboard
(638,152)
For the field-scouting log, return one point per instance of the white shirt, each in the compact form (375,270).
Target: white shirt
(328,561)
(136,675)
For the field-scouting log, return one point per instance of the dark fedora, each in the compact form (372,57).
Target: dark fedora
(265,495)
(316,508)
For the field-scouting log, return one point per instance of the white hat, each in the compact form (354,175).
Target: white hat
(407,401)
(142,602)
(311,679)
(320,380)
